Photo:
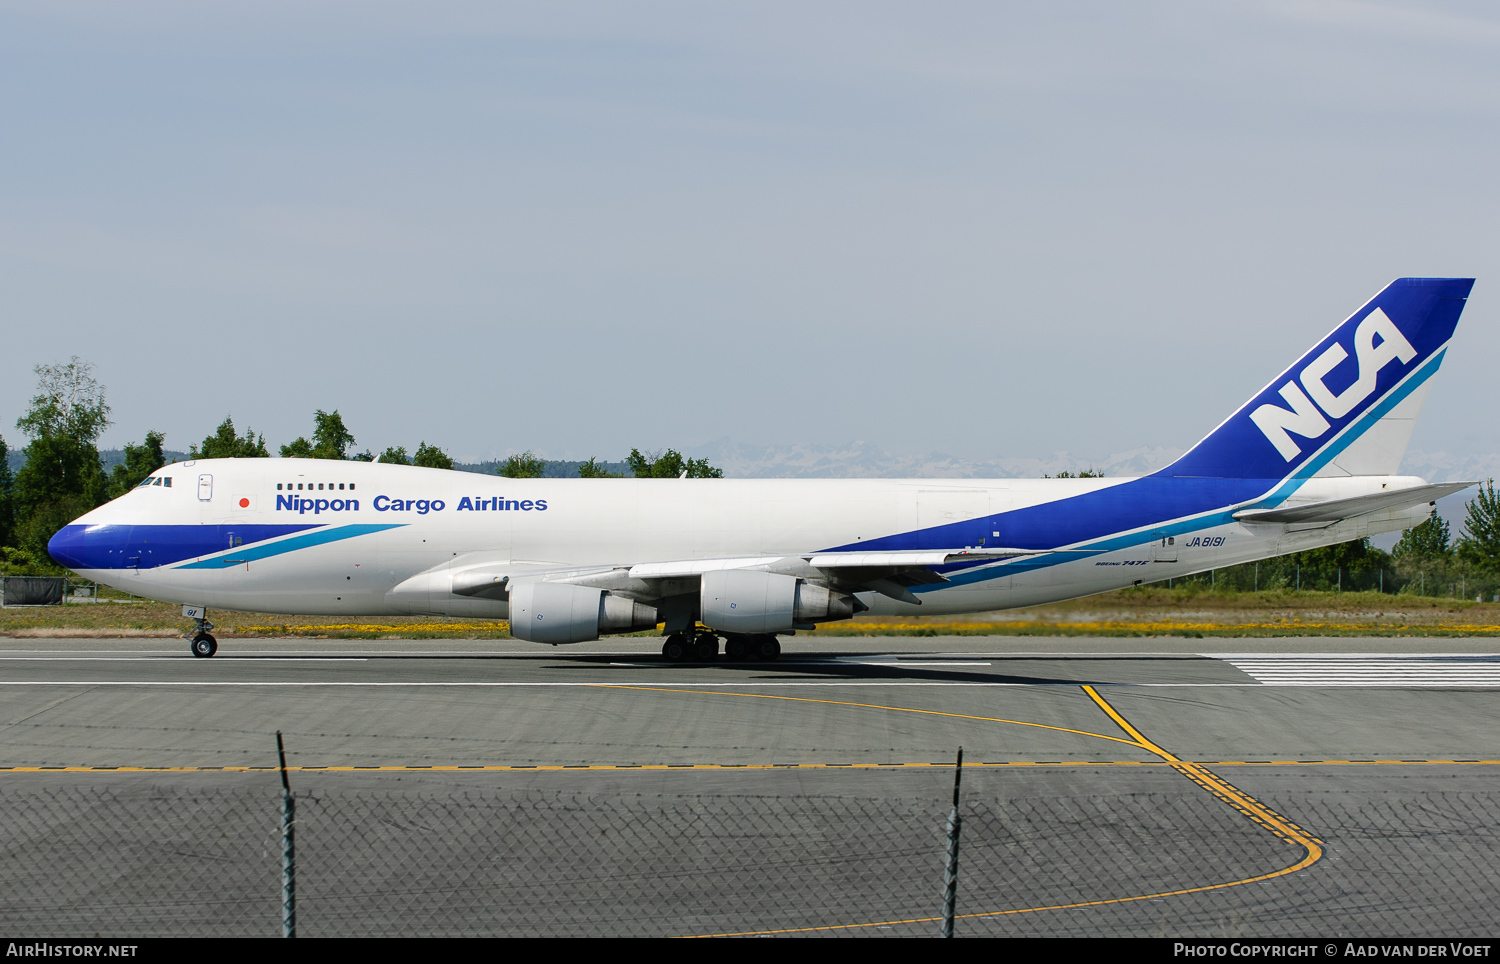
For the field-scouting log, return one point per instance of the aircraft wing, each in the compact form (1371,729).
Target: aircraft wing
(1334,510)
(890,573)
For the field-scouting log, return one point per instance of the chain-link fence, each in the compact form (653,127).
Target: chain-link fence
(126,860)
(1438,578)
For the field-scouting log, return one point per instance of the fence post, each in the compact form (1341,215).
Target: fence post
(950,871)
(288,849)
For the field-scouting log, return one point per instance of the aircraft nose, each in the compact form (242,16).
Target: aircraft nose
(89,546)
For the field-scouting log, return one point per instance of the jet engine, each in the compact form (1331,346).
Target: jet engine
(749,601)
(558,612)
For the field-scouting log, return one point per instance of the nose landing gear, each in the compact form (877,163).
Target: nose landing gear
(203,644)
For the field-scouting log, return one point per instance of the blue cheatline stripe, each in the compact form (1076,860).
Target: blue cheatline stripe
(240,555)
(1222,516)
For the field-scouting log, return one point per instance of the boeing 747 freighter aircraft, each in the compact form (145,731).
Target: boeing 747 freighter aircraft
(1307,462)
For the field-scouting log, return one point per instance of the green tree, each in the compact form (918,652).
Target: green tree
(331,439)
(1430,540)
(395,455)
(1356,554)
(431,457)
(1480,545)
(1085,474)
(225,444)
(593,470)
(297,448)
(140,461)
(670,465)
(7,484)
(527,465)
(20,562)
(62,477)
(69,403)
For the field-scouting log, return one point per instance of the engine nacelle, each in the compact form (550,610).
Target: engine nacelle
(558,612)
(748,601)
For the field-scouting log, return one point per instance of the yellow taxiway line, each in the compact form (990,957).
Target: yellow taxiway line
(968,764)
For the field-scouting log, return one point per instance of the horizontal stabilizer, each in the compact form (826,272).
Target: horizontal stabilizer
(1334,510)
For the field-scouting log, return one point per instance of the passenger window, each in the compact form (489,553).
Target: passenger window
(278,486)
(351,485)
(341,486)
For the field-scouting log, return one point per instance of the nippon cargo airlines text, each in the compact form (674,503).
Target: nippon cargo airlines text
(1312,459)
(385,503)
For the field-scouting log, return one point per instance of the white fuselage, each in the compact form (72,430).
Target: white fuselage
(386,524)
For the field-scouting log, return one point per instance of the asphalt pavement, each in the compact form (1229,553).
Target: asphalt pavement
(1341,770)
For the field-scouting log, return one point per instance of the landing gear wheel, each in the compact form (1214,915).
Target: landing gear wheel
(706,647)
(675,649)
(737,648)
(766,647)
(204,645)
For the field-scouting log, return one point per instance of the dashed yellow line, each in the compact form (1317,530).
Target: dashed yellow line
(557,767)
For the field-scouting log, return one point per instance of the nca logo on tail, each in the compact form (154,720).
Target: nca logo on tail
(1377,343)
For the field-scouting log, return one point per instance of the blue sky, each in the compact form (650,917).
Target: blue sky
(983,229)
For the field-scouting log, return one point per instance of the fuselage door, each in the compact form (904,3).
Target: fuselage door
(205,488)
(1165,549)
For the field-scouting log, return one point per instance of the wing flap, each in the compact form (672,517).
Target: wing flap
(918,557)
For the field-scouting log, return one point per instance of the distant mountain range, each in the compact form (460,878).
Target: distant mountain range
(861,460)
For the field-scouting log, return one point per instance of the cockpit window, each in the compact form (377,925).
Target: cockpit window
(148,480)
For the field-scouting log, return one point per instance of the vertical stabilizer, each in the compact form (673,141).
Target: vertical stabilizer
(1348,406)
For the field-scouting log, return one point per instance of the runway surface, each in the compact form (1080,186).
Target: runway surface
(1280,745)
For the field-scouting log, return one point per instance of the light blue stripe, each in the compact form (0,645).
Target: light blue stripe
(240,555)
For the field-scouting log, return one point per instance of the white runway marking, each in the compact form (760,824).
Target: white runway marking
(1358,669)
(908,662)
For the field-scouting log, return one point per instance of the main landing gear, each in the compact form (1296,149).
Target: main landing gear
(203,644)
(704,647)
